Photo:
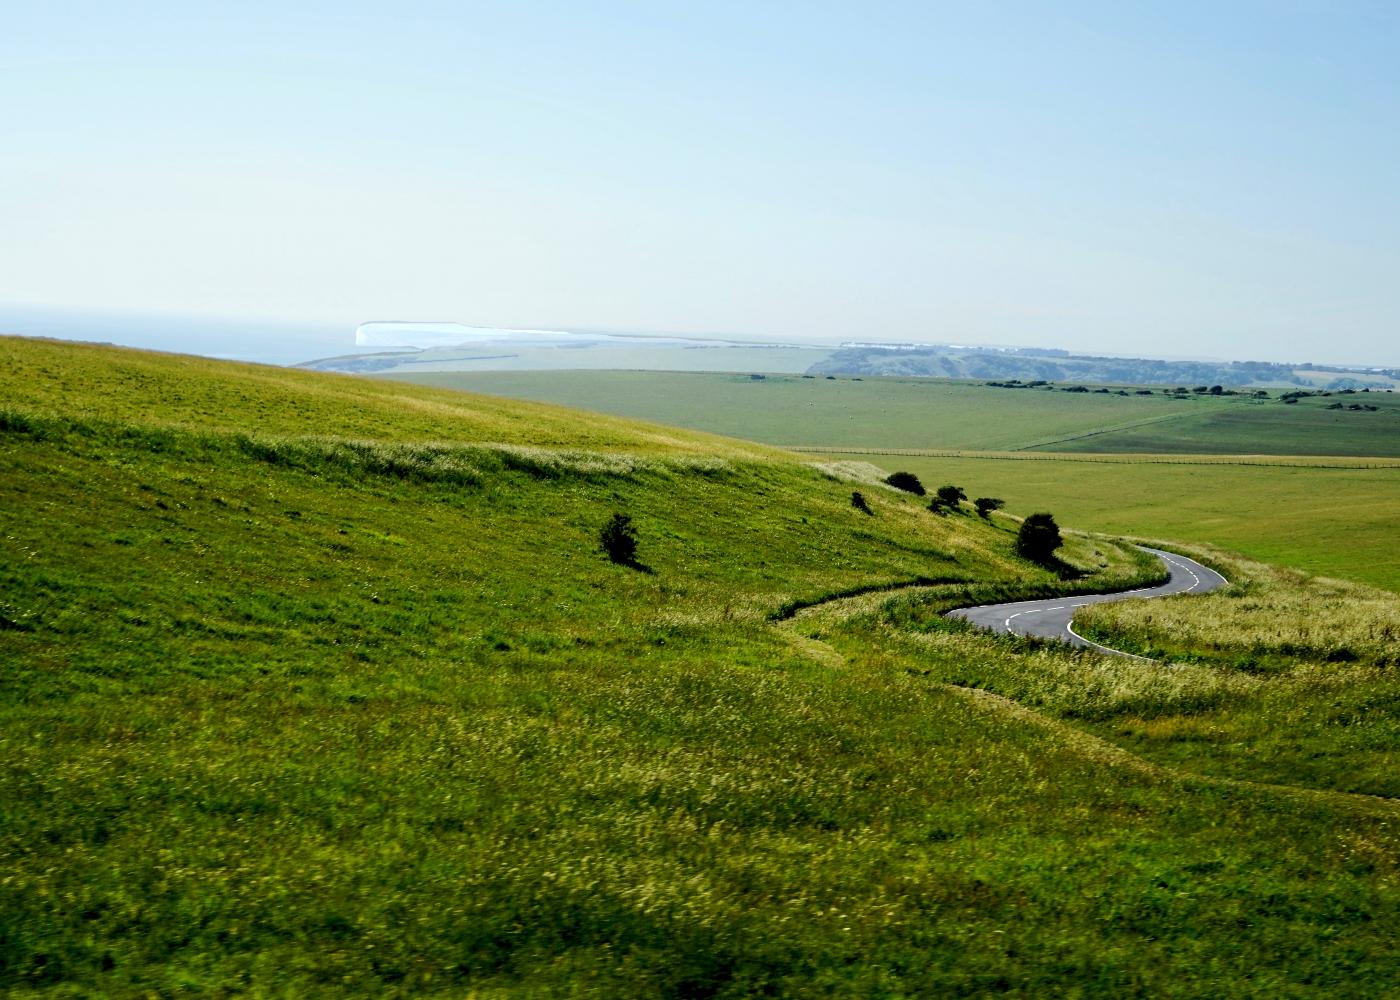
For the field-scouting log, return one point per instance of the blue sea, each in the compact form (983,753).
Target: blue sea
(261,341)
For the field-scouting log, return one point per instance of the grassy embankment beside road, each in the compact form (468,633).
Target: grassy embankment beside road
(316,685)
(1301,673)
(1280,677)
(1336,520)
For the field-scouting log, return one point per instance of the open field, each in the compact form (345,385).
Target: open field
(871,412)
(1308,427)
(1337,521)
(289,708)
(880,413)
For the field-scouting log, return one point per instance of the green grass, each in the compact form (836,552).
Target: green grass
(294,706)
(151,389)
(1331,521)
(873,412)
(1307,427)
(885,413)
(1305,670)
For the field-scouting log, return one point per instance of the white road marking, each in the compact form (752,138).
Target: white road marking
(1173,562)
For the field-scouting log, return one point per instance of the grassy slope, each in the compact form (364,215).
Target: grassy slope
(295,716)
(1298,679)
(1337,522)
(150,389)
(791,410)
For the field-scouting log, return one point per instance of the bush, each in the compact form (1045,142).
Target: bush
(858,502)
(906,481)
(619,540)
(1038,538)
(950,495)
(985,505)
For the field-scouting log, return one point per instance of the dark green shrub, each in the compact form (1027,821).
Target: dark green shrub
(951,495)
(906,481)
(1038,537)
(985,505)
(619,540)
(858,502)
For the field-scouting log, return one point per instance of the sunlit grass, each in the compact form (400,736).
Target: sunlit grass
(290,709)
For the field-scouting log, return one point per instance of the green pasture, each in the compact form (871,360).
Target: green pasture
(1337,521)
(796,410)
(1309,427)
(883,413)
(314,686)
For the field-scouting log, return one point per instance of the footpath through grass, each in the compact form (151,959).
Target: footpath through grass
(288,711)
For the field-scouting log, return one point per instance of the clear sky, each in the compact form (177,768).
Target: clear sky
(1182,178)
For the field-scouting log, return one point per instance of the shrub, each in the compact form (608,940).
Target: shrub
(619,540)
(906,481)
(950,495)
(1038,538)
(858,502)
(985,505)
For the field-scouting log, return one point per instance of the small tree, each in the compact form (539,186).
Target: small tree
(1038,538)
(619,540)
(985,505)
(950,495)
(906,481)
(858,502)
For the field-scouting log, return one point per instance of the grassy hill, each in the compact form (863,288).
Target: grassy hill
(1336,519)
(314,685)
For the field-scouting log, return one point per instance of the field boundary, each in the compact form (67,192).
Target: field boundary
(1114,429)
(1275,461)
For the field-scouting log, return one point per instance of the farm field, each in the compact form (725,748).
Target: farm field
(311,685)
(1308,427)
(1333,521)
(882,413)
(795,410)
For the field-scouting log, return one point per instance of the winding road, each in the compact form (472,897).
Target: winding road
(1053,619)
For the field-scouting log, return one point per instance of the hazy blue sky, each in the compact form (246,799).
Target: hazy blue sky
(1181,178)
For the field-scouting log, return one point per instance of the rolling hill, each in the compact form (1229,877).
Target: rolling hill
(320,685)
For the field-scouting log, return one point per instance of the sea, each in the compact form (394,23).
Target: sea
(263,341)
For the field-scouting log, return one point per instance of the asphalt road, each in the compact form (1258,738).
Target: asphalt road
(1051,619)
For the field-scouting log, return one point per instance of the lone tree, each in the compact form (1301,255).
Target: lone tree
(906,481)
(619,540)
(985,505)
(950,495)
(1038,538)
(858,502)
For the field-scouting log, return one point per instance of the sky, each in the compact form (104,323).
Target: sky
(1188,179)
